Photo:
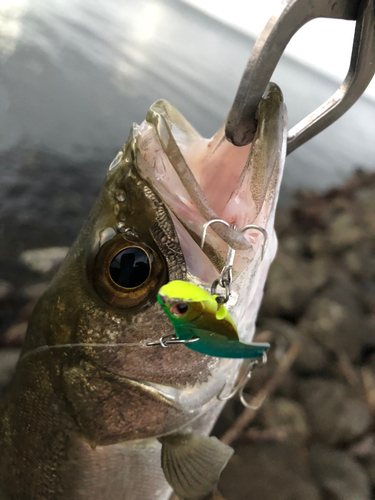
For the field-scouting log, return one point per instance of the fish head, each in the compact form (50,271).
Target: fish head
(145,230)
(201,180)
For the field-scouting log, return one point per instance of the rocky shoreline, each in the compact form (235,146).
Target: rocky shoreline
(314,436)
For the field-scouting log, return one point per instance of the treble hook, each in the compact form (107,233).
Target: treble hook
(231,251)
(240,386)
(263,231)
(269,47)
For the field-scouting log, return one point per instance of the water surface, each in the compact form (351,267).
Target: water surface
(75,75)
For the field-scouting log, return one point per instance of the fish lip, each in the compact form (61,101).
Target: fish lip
(152,389)
(168,395)
(188,416)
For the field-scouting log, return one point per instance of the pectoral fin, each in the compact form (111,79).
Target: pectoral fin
(192,464)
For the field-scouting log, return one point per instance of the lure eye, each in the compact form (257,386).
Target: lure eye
(180,309)
(127,273)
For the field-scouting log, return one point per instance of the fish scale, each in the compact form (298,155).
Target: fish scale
(91,411)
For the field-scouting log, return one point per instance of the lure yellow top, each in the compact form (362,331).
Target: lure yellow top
(195,313)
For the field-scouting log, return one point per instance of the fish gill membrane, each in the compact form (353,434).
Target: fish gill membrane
(93,413)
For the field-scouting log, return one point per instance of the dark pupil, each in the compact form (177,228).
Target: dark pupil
(182,308)
(130,267)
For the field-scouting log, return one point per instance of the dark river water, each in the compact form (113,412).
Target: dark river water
(74,76)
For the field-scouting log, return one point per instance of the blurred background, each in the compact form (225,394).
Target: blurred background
(75,75)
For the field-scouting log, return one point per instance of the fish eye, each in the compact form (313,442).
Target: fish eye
(131,267)
(125,273)
(180,309)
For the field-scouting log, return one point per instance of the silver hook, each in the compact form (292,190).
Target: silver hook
(226,276)
(263,231)
(231,251)
(169,340)
(241,122)
(248,405)
(241,391)
(240,386)
(207,224)
(242,382)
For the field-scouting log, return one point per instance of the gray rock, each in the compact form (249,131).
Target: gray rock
(15,335)
(368,465)
(288,416)
(364,452)
(335,414)
(11,302)
(291,244)
(6,290)
(8,360)
(338,475)
(359,261)
(268,471)
(344,231)
(312,358)
(33,292)
(367,297)
(335,320)
(368,207)
(286,386)
(291,284)
(44,260)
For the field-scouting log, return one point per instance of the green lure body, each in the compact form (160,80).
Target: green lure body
(196,313)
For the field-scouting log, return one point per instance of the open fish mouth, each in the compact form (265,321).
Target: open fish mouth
(196,180)
(202,179)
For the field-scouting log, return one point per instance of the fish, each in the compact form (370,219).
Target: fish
(197,315)
(92,411)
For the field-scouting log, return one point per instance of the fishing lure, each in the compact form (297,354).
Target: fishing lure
(199,318)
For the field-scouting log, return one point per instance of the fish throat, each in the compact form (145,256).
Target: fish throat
(204,179)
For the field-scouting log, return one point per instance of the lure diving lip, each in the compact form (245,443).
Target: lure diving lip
(195,314)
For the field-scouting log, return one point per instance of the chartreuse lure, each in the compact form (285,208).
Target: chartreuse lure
(195,313)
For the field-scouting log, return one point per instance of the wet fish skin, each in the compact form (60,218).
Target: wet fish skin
(82,423)
(64,403)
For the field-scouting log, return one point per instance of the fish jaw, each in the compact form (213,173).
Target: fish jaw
(239,185)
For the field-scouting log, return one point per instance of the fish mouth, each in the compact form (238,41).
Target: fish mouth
(202,179)
(167,408)
(190,403)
